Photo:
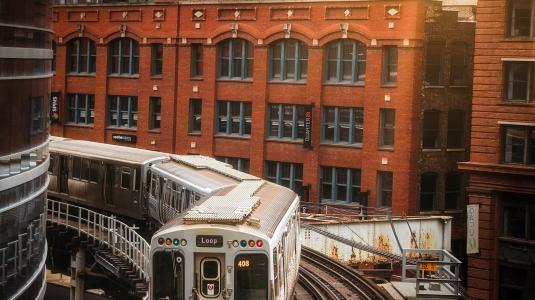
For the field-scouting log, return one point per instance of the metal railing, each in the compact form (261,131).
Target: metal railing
(435,267)
(106,230)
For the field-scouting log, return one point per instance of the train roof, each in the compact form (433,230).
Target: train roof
(256,204)
(104,151)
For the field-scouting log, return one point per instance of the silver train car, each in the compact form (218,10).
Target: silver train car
(240,242)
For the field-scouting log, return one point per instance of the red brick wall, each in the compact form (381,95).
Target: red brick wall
(257,25)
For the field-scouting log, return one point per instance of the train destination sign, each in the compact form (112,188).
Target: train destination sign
(124,138)
(215,241)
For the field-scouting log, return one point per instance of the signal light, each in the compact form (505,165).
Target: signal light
(235,243)
(161,241)
(259,243)
(251,243)
(168,242)
(243,243)
(176,242)
(183,242)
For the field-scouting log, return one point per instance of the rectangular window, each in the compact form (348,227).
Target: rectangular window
(156,59)
(453,191)
(233,118)
(235,59)
(37,115)
(155,108)
(384,188)
(195,113)
(390,64)
(521,18)
(288,60)
(387,127)
(286,121)
(458,64)
(433,62)
(456,125)
(430,132)
(286,174)
(81,109)
(342,125)
(122,111)
(125,177)
(339,184)
(428,191)
(519,144)
(196,60)
(519,81)
(238,163)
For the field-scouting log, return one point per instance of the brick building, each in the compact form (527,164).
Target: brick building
(502,158)
(233,80)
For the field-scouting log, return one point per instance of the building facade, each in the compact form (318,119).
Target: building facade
(25,76)
(502,157)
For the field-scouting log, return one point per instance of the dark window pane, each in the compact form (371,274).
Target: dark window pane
(514,222)
(515,144)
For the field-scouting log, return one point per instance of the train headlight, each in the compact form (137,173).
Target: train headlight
(168,242)
(235,243)
(161,241)
(243,243)
(183,242)
(259,243)
(176,242)
(251,243)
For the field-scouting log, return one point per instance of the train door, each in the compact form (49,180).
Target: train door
(63,174)
(210,275)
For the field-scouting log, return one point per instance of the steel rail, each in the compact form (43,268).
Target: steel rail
(320,287)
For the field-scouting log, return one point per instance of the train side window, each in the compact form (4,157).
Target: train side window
(85,169)
(76,168)
(93,173)
(51,165)
(125,178)
(136,179)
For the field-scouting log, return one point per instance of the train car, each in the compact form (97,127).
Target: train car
(239,243)
(105,177)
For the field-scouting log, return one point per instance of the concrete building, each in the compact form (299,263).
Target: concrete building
(232,80)
(502,157)
(25,71)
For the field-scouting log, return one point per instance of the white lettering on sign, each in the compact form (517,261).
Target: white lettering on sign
(210,289)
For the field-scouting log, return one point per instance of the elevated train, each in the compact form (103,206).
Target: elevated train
(225,234)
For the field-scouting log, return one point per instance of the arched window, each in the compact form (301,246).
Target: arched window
(288,60)
(81,56)
(235,59)
(345,61)
(124,57)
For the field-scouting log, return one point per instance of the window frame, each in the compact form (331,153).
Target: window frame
(509,81)
(37,115)
(383,127)
(156,59)
(456,126)
(155,116)
(132,114)
(242,163)
(349,186)
(433,114)
(132,56)
(337,125)
(511,20)
(196,62)
(246,59)
(89,108)
(390,65)
(295,182)
(434,65)
(449,191)
(459,52)
(90,56)
(243,119)
(528,145)
(279,122)
(195,117)
(358,73)
(381,188)
(300,61)
(434,192)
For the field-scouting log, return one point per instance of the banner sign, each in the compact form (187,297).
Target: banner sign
(472,229)
(307,140)
(54,107)
(124,138)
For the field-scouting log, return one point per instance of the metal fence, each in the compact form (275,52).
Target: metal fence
(122,239)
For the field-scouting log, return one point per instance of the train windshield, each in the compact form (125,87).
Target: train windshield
(251,280)
(168,275)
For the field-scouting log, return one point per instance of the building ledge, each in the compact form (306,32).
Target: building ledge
(497,168)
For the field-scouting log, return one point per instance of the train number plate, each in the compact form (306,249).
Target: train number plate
(210,241)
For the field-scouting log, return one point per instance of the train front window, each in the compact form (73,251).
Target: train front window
(251,279)
(168,275)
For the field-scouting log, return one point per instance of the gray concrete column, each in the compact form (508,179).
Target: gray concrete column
(77,275)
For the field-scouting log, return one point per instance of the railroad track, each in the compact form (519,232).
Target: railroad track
(324,278)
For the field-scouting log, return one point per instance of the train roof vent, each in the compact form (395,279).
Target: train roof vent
(205,162)
(234,207)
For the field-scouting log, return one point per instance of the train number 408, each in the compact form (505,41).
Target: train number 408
(244,263)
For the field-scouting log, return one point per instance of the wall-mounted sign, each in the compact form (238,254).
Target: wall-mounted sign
(54,107)
(472,229)
(307,140)
(124,138)
(210,241)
